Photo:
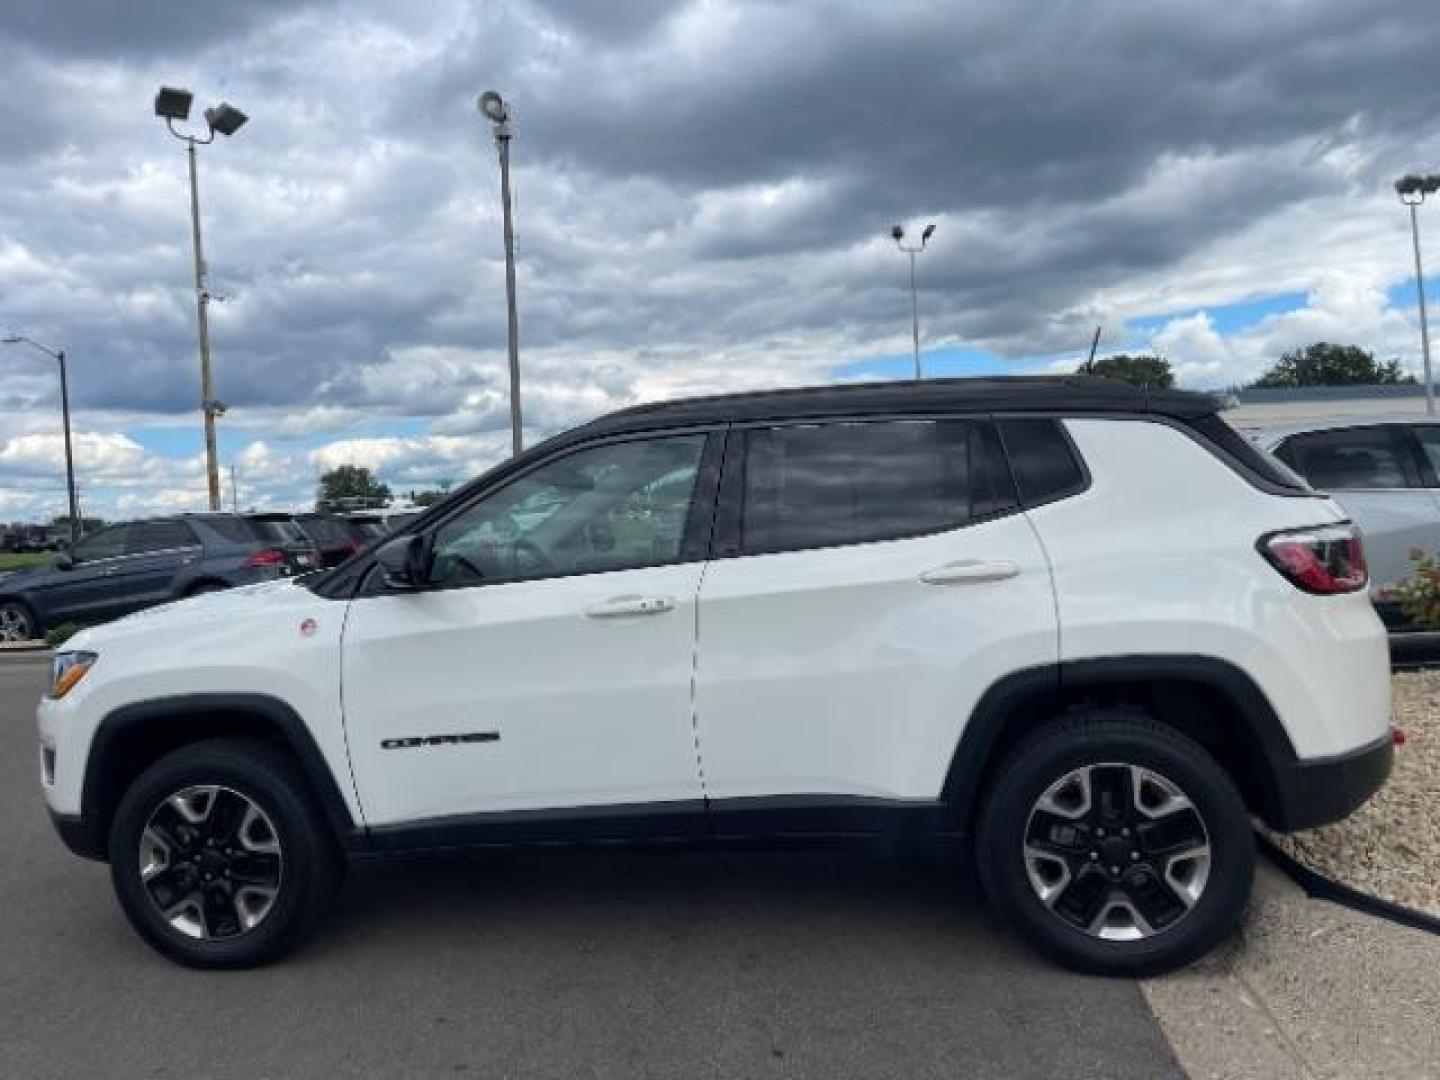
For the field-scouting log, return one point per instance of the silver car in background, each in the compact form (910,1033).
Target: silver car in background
(1385,472)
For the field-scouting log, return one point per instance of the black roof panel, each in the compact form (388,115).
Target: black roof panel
(1016,393)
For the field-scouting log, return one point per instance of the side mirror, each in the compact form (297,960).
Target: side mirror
(64,561)
(403,561)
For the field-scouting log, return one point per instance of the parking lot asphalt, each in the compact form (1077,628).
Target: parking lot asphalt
(563,963)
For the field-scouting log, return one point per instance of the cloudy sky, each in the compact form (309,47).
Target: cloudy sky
(704,193)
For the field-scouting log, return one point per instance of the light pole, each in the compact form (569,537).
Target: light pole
(1412,190)
(493,107)
(897,233)
(59,356)
(172,104)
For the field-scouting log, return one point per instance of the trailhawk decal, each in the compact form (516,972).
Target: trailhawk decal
(412,741)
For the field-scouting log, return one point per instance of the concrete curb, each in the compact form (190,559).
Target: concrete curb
(23,648)
(1320,887)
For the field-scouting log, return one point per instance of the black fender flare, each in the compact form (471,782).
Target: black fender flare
(274,713)
(1052,683)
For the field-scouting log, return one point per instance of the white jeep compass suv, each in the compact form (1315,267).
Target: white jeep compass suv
(1086,629)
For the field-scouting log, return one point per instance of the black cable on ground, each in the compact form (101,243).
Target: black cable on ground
(1319,886)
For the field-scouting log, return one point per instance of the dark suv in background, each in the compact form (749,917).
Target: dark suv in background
(138,564)
(335,537)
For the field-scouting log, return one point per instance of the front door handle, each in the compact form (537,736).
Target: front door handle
(618,606)
(971,570)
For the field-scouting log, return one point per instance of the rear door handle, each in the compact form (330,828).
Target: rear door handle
(618,606)
(971,570)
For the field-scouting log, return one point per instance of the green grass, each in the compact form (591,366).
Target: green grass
(11,560)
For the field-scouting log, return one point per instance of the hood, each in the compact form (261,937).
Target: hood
(203,612)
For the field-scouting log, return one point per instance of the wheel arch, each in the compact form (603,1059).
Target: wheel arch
(133,737)
(1212,701)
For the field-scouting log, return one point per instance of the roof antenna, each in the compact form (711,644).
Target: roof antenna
(1094,344)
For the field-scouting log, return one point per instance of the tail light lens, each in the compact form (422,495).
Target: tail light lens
(1325,560)
(266,557)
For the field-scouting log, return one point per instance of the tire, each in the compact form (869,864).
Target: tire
(17,622)
(256,904)
(1061,891)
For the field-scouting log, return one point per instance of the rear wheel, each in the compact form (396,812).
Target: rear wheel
(1116,846)
(17,623)
(219,856)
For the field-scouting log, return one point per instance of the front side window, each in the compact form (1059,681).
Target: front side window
(822,485)
(619,506)
(1349,458)
(105,544)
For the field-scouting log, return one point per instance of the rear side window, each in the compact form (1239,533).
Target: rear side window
(1350,458)
(1042,459)
(158,536)
(822,485)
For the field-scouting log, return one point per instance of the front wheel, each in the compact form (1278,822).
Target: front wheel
(16,622)
(1116,846)
(219,857)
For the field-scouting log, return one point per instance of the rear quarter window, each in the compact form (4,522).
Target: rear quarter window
(1044,462)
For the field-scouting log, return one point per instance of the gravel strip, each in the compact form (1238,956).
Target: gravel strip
(1390,847)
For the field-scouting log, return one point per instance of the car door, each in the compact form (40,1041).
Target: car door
(1372,472)
(156,553)
(82,593)
(547,663)
(852,616)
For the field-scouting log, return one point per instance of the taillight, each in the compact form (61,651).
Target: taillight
(266,557)
(1327,559)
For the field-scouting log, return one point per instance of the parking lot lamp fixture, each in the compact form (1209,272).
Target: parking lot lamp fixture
(493,107)
(1412,190)
(897,233)
(59,356)
(172,104)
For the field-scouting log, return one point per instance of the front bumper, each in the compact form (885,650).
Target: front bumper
(80,834)
(1317,791)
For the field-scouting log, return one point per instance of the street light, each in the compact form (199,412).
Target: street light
(1412,190)
(172,104)
(59,356)
(492,106)
(897,233)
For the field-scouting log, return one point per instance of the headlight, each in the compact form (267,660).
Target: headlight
(67,669)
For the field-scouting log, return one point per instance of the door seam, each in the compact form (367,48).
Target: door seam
(695,688)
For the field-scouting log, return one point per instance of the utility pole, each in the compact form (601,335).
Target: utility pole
(498,113)
(202,305)
(1412,190)
(172,104)
(58,355)
(897,233)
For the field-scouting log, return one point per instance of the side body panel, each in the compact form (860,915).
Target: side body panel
(1159,556)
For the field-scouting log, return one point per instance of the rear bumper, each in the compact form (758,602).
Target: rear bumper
(80,834)
(1317,791)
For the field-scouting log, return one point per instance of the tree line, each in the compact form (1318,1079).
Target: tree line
(1320,364)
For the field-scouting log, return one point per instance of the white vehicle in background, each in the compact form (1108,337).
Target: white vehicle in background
(1081,630)
(1385,473)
